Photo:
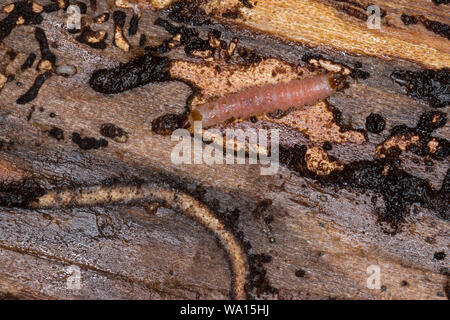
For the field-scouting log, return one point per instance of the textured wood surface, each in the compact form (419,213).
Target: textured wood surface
(131,251)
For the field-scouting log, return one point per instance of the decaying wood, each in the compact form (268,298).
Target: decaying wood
(322,238)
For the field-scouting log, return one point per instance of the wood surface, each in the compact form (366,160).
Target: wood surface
(133,251)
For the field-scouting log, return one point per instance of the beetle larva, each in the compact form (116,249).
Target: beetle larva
(267,98)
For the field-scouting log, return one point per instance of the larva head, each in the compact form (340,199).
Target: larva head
(194,115)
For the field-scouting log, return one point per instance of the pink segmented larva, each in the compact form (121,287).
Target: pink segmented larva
(267,98)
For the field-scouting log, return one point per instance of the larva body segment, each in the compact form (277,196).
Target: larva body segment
(267,98)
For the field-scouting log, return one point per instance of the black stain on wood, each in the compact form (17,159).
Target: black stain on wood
(114,132)
(136,73)
(20,194)
(399,188)
(168,123)
(134,24)
(375,123)
(32,93)
(438,2)
(28,62)
(56,133)
(428,85)
(88,142)
(87,35)
(189,38)
(22,9)
(408,20)
(46,53)
(437,27)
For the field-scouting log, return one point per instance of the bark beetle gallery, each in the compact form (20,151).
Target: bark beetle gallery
(216,51)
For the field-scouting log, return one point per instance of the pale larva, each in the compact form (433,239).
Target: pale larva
(267,98)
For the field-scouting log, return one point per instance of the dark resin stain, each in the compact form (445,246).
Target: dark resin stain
(119,18)
(327,146)
(187,12)
(142,40)
(162,48)
(437,27)
(134,24)
(247,4)
(114,132)
(52,7)
(168,123)
(248,56)
(428,85)
(428,122)
(20,194)
(343,127)
(233,13)
(21,9)
(11,54)
(189,38)
(32,93)
(257,281)
(89,142)
(375,123)
(408,20)
(438,2)
(102,18)
(360,74)
(399,188)
(300,273)
(138,72)
(28,62)
(439,255)
(46,53)
(30,113)
(86,36)
(56,133)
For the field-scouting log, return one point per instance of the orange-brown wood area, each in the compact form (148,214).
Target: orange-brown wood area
(87,182)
